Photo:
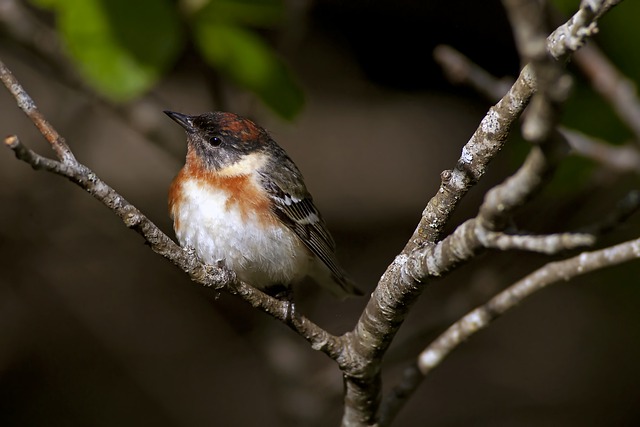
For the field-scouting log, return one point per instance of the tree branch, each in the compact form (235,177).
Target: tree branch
(549,244)
(485,230)
(491,135)
(27,105)
(420,260)
(530,29)
(461,70)
(481,317)
(485,143)
(217,277)
(583,24)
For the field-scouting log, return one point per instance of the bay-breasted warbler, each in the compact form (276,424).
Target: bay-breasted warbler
(240,198)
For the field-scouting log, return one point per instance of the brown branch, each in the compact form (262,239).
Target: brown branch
(481,317)
(467,241)
(403,281)
(485,143)
(217,277)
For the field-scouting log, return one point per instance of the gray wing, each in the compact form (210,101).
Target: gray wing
(298,212)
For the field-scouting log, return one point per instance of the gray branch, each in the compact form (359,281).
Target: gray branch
(481,317)
(491,135)
(405,278)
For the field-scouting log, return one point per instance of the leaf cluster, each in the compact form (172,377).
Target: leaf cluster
(122,48)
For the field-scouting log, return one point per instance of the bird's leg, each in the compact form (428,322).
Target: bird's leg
(284,293)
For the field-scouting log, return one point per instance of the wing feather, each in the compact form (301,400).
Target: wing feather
(298,212)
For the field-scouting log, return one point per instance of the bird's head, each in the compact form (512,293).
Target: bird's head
(220,140)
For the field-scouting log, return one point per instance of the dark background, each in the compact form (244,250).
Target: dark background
(96,330)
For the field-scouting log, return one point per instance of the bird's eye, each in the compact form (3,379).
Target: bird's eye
(215,141)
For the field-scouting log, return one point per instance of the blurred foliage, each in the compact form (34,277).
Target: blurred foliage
(228,45)
(122,48)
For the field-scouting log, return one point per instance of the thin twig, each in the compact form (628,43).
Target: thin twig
(548,244)
(27,105)
(583,24)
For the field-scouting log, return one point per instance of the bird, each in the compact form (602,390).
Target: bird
(241,200)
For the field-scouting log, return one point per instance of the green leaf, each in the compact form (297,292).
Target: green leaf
(251,63)
(121,47)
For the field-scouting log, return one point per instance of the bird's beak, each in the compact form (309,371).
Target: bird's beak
(183,120)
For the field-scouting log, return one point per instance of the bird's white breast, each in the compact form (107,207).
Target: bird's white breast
(262,251)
